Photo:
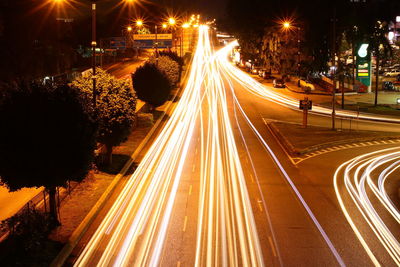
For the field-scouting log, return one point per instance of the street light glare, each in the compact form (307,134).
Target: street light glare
(164,25)
(171,21)
(139,23)
(286,25)
(186,25)
(129,28)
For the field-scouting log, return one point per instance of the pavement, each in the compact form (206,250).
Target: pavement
(353,101)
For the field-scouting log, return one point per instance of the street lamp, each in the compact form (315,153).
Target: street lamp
(94,51)
(171,21)
(287,26)
(139,23)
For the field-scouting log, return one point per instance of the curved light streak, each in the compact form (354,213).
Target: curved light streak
(225,65)
(367,172)
(266,93)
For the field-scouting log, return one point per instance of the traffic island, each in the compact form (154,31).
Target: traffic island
(297,142)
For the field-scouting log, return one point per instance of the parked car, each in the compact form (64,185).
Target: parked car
(279,83)
(263,73)
(306,85)
(392,73)
(255,70)
(388,86)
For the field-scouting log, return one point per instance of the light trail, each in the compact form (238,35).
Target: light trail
(222,56)
(266,93)
(364,178)
(134,230)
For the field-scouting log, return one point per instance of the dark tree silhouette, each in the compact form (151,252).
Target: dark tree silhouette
(47,137)
(151,85)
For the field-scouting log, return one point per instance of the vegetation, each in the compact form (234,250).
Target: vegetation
(152,85)
(168,66)
(115,111)
(47,137)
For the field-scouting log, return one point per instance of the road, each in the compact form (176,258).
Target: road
(215,189)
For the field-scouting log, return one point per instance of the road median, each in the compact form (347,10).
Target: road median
(298,141)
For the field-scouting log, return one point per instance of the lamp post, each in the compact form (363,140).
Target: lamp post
(94,51)
(286,26)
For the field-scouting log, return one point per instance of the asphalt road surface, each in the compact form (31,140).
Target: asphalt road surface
(216,189)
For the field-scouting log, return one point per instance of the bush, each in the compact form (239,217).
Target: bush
(115,110)
(152,86)
(27,243)
(174,56)
(168,66)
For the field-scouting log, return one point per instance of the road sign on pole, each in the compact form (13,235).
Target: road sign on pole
(152,40)
(305,105)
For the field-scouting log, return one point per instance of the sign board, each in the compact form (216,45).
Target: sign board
(118,42)
(363,65)
(166,36)
(152,40)
(305,104)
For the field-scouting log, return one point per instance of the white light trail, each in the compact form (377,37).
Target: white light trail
(362,176)
(134,230)
(226,66)
(266,93)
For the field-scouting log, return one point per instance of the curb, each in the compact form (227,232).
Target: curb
(282,140)
(78,233)
(291,150)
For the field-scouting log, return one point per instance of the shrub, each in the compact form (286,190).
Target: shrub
(152,86)
(168,66)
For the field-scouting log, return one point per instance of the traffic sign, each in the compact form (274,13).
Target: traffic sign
(152,40)
(305,104)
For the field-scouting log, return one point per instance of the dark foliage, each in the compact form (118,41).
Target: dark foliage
(151,85)
(174,56)
(249,21)
(27,244)
(46,137)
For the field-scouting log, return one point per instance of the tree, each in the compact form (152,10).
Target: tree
(47,137)
(381,48)
(168,66)
(151,84)
(115,110)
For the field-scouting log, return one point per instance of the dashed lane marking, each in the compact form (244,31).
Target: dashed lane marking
(272,246)
(184,224)
(342,147)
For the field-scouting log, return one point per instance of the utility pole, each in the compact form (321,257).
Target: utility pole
(334,69)
(156,42)
(94,51)
(298,53)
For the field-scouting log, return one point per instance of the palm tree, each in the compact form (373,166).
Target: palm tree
(379,45)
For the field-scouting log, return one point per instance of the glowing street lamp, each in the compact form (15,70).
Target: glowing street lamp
(286,25)
(164,25)
(139,23)
(129,28)
(171,21)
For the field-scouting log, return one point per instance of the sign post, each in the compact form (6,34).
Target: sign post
(305,105)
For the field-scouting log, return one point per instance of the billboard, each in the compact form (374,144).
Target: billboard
(363,65)
(152,40)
